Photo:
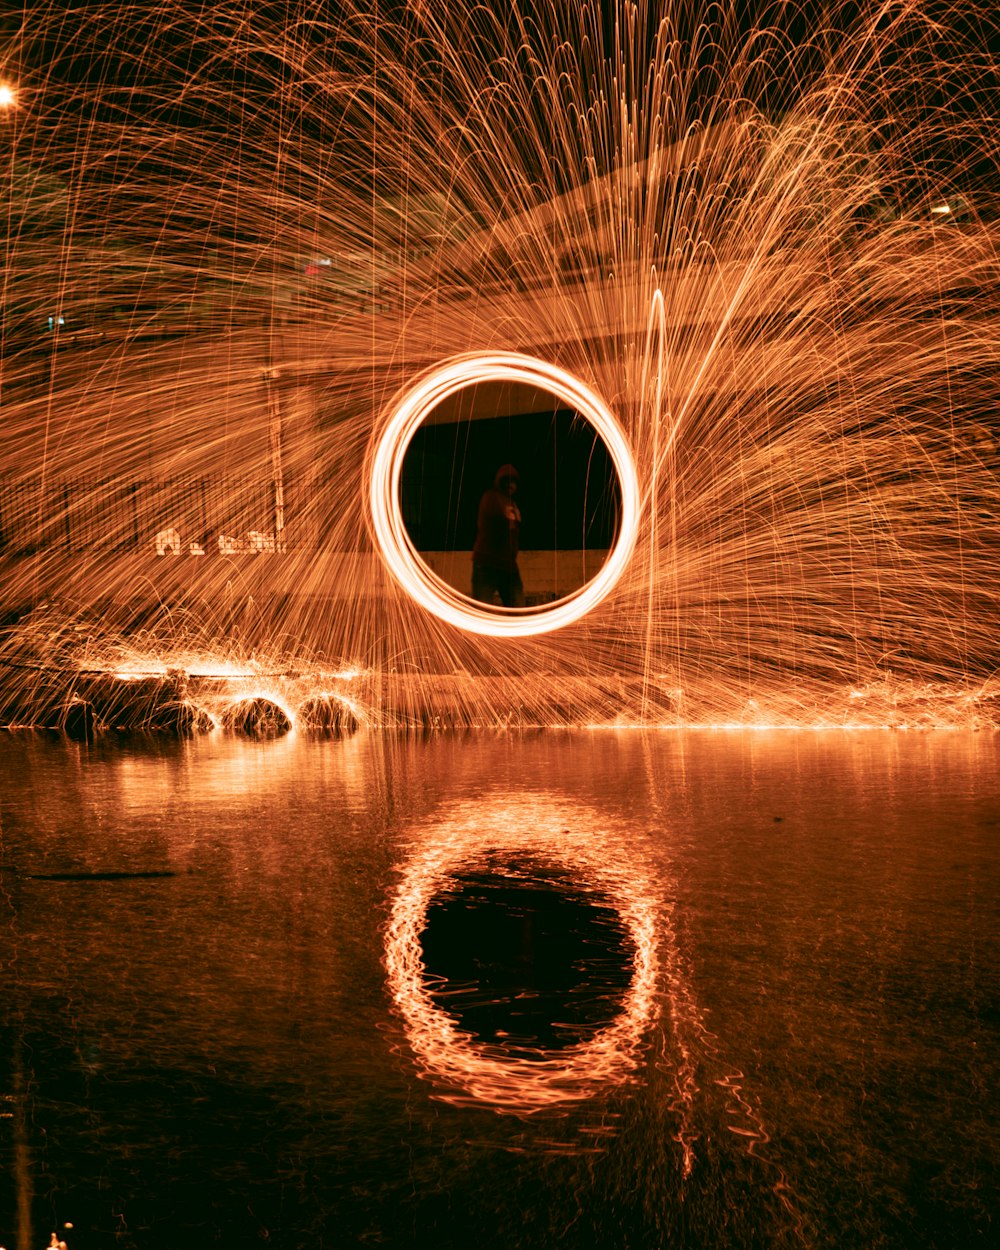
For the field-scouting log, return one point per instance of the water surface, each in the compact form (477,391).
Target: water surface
(576,989)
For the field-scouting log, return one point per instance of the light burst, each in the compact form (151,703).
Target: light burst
(234,237)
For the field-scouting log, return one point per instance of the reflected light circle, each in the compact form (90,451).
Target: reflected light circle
(398,552)
(475,836)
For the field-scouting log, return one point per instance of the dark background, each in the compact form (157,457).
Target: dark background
(568,491)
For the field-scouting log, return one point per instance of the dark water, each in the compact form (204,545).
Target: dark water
(576,990)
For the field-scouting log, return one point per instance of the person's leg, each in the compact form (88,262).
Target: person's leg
(484,586)
(511,590)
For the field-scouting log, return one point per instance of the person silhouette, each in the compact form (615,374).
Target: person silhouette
(495,573)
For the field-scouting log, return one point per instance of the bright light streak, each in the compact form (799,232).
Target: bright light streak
(398,552)
(221,669)
(147,666)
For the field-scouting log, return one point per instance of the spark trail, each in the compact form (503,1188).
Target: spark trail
(234,239)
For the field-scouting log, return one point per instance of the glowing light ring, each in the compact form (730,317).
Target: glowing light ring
(403,560)
(480,1073)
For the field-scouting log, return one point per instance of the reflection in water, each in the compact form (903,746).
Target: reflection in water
(209,1056)
(526,956)
(521,952)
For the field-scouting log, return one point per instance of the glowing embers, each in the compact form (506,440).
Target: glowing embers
(327,713)
(398,550)
(256,717)
(521,954)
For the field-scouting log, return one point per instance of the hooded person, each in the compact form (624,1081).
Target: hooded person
(494,557)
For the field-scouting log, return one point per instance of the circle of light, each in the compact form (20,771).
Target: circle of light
(398,552)
(472,838)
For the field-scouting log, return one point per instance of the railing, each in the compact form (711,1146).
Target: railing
(172,516)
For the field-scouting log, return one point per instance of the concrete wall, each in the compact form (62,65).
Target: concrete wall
(548,573)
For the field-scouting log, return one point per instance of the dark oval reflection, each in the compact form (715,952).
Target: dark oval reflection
(526,957)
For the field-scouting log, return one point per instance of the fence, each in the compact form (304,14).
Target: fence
(167,516)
